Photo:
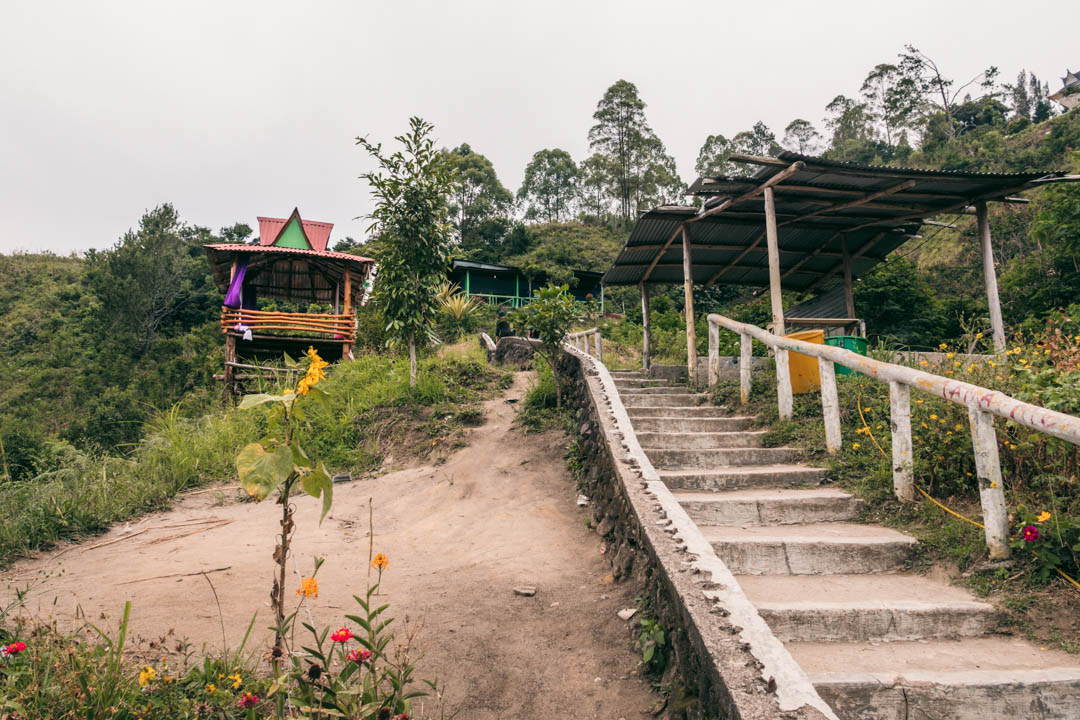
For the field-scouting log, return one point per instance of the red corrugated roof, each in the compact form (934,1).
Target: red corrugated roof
(318,233)
(238,248)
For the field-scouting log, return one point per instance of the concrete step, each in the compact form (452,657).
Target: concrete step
(700,440)
(727,478)
(651,410)
(683,399)
(620,383)
(768,506)
(630,374)
(708,459)
(877,620)
(680,424)
(659,390)
(993,678)
(819,549)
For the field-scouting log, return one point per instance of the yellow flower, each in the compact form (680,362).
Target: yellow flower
(933,416)
(978,336)
(855,446)
(992,363)
(210,688)
(314,372)
(942,346)
(381,562)
(309,587)
(957,363)
(924,424)
(237,681)
(1043,516)
(924,363)
(147,676)
(950,356)
(958,427)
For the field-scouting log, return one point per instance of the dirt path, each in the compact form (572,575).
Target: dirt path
(460,536)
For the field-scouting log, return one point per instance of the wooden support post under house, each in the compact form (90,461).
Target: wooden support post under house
(990,277)
(783,376)
(346,347)
(849,291)
(688,293)
(830,405)
(746,359)
(230,350)
(991,492)
(646,335)
(903,461)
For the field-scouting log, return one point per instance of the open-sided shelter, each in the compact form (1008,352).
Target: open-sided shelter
(805,223)
(290,264)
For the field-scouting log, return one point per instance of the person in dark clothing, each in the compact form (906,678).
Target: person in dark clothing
(502,326)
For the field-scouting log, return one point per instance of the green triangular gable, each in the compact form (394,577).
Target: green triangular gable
(292,236)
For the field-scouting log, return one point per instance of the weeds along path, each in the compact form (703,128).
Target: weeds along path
(460,536)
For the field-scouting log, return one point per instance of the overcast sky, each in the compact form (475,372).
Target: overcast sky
(233,109)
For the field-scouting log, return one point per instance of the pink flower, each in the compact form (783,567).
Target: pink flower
(358,655)
(1031,533)
(12,649)
(342,635)
(248,700)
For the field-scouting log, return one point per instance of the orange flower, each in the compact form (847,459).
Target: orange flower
(381,562)
(309,587)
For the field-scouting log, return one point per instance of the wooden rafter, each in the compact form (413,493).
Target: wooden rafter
(854,256)
(854,203)
(775,179)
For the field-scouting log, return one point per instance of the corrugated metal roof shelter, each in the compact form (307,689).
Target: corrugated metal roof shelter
(802,223)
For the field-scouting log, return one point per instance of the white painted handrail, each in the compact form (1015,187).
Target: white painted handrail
(586,339)
(982,405)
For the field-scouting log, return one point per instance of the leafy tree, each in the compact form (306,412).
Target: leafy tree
(801,136)
(480,203)
(550,186)
(714,156)
(412,191)
(891,100)
(896,300)
(595,184)
(640,170)
(923,76)
(148,278)
(549,317)
(237,233)
(712,159)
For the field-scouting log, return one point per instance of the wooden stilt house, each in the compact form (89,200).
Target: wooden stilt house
(288,293)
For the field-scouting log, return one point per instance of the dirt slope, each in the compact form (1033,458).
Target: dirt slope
(460,537)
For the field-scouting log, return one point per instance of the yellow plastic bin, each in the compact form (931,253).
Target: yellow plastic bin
(805,377)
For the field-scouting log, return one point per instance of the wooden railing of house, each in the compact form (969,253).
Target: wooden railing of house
(586,341)
(339,327)
(982,405)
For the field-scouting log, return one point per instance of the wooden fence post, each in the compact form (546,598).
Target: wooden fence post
(746,360)
(599,346)
(991,493)
(830,406)
(783,384)
(902,458)
(714,354)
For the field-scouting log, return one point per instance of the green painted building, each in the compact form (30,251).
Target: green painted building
(506,285)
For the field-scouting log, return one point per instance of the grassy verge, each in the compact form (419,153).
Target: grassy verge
(1039,477)
(374,413)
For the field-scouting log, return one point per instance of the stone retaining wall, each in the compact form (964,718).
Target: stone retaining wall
(728,661)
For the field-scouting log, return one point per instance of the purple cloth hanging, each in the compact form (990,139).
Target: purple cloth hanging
(233,296)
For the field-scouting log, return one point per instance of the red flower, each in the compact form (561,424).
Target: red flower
(402,716)
(12,649)
(248,700)
(1031,533)
(358,655)
(342,635)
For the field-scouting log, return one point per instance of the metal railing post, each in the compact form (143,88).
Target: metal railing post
(830,406)
(746,361)
(991,493)
(902,458)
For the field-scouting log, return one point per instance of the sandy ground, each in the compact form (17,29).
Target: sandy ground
(460,536)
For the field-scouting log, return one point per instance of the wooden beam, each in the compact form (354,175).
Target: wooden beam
(725,248)
(774,263)
(854,256)
(777,178)
(990,278)
(688,292)
(819,251)
(660,254)
(647,332)
(733,263)
(849,292)
(670,266)
(857,202)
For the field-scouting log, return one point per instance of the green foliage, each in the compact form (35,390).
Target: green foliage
(652,641)
(550,186)
(555,250)
(896,300)
(480,204)
(411,190)
(549,318)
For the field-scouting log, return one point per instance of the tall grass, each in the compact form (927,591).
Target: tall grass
(90,492)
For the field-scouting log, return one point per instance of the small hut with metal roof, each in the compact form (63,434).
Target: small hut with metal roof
(290,264)
(805,223)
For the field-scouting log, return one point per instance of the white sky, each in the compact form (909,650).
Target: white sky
(232,109)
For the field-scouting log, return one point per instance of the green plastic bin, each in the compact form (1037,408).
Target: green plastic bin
(848,342)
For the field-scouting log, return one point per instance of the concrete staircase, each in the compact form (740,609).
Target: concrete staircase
(878,642)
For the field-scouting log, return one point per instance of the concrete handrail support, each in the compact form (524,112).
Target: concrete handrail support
(982,405)
(586,341)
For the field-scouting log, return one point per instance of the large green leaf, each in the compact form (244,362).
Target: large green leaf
(251,401)
(261,471)
(316,482)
